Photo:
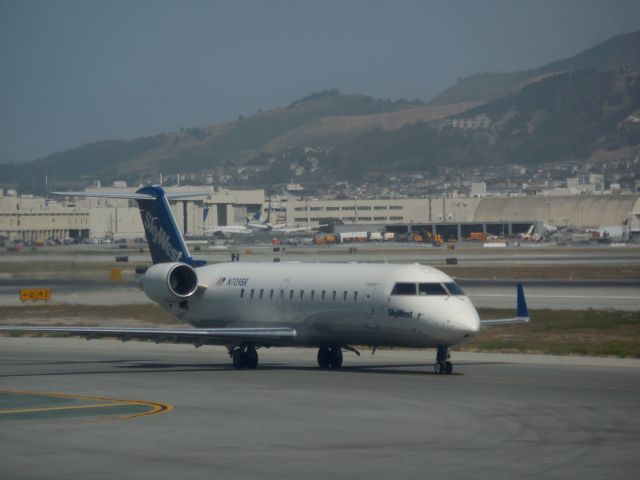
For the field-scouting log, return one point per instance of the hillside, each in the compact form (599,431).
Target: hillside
(622,51)
(563,117)
(195,148)
(567,110)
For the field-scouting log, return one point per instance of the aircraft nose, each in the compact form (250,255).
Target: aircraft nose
(468,322)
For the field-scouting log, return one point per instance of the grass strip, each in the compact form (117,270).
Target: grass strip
(562,332)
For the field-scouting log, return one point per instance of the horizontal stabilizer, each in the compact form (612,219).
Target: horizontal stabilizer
(132,195)
(126,196)
(166,243)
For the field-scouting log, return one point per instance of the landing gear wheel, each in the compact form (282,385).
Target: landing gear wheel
(448,368)
(443,365)
(251,358)
(324,357)
(239,359)
(245,356)
(335,358)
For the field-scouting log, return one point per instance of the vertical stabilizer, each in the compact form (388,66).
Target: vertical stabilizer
(166,244)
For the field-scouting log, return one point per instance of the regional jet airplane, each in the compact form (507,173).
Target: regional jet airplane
(329,306)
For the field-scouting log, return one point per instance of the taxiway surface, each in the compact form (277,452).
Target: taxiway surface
(489,293)
(387,416)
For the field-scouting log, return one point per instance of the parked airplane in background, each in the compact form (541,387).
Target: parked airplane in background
(254,225)
(247,229)
(330,306)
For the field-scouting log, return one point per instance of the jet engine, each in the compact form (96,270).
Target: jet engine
(169,282)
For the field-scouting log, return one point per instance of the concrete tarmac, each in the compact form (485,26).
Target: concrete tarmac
(386,416)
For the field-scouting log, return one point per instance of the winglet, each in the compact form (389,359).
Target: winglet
(522,310)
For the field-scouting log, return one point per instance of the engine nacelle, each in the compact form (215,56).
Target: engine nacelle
(169,282)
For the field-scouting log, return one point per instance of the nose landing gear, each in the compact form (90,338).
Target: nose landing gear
(443,365)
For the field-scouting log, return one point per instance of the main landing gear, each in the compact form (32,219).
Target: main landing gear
(330,357)
(244,356)
(443,365)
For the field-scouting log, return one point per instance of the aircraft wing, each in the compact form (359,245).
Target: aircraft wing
(284,229)
(227,230)
(522,312)
(259,226)
(196,336)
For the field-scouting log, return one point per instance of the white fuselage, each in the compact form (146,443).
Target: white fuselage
(331,303)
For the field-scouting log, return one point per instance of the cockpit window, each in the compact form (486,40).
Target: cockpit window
(454,288)
(404,289)
(431,289)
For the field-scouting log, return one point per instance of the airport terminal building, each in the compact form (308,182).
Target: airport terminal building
(33,219)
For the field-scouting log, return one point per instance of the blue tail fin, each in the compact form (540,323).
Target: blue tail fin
(165,241)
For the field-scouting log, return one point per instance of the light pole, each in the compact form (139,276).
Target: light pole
(355,214)
(549,212)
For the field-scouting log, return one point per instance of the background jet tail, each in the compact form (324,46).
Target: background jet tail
(255,218)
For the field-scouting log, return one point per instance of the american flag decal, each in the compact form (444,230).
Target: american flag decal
(220,281)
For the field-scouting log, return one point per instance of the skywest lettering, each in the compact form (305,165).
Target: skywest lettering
(400,313)
(161,238)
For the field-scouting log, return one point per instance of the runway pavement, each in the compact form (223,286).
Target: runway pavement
(386,416)
(490,293)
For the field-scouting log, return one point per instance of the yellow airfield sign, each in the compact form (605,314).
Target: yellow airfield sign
(27,294)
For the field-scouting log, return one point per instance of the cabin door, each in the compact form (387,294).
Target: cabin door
(369,304)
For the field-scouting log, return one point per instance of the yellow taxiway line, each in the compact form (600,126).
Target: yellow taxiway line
(113,402)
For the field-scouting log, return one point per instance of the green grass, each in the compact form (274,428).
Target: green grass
(563,332)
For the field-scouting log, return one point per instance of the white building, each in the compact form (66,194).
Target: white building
(31,219)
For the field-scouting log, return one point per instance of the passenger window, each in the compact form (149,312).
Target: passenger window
(454,289)
(344,296)
(291,295)
(313,293)
(301,294)
(355,296)
(251,294)
(323,295)
(281,294)
(261,293)
(404,289)
(242,293)
(432,289)
(271,294)
(334,296)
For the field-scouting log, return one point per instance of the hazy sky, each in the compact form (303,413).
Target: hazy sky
(73,72)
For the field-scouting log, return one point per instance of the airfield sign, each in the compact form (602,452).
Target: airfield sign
(27,294)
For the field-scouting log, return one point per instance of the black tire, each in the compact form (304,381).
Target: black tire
(324,357)
(251,359)
(438,368)
(335,358)
(448,368)
(239,359)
